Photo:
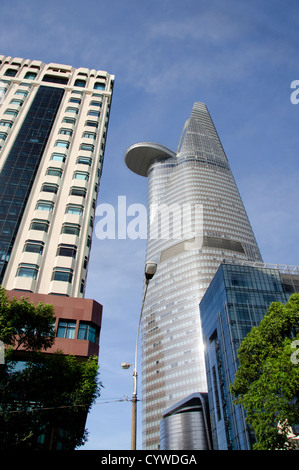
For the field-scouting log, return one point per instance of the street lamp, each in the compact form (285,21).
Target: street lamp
(149,272)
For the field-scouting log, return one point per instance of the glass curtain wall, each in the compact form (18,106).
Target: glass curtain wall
(188,252)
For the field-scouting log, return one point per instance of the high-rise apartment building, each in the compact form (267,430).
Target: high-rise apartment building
(196,219)
(53,125)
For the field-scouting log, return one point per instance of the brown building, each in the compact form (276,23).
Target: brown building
(78,322)
(77,326)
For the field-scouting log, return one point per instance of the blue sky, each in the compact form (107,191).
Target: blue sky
(237,57)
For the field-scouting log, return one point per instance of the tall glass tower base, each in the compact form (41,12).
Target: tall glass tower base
(196,220)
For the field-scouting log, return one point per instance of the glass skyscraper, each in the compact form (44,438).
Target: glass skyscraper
(196,220)
(236,301)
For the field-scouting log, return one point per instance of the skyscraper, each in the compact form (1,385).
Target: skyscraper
(53,125)
(196,219)
(236,301)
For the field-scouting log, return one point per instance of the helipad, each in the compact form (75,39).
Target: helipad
(140,156)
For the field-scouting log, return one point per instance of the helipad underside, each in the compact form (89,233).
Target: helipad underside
(140,156)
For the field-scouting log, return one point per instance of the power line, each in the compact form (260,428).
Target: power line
(67,406)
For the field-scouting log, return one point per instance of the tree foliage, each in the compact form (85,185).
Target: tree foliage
(24,324)
(48,392)
(267,381)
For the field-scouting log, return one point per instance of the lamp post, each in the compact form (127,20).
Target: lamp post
(150,270)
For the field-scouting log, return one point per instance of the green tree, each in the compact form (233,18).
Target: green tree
(45,394)
(24,324)
(51,394)
(267,381)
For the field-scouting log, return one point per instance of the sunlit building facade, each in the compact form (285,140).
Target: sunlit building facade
(196,219)
(53,127)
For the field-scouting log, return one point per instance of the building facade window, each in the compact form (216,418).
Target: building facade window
(50,188)
(66,329)
(45,206)
(2,90)
(6,123)
(62,143)
(58,157)
(91,123)
(89,135)
(62,274)
(21,93)
(99,86)
(87,332)
(16,102)
(68,120)
(77,92)
(84,160)
(80,82)
(11,73)
(87,147)
(30,75)
(77,191)
(67,250)
(11,112)
(70,109)
(55,79)
(34,246)
(92,112)
(54,172)
(39,224)
(75,209)
(96,103)
(81,175)
(75,100)
(27,270)
(66,132)
(71,229)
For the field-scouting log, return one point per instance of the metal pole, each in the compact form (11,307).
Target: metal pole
(134,396)
(134,411)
